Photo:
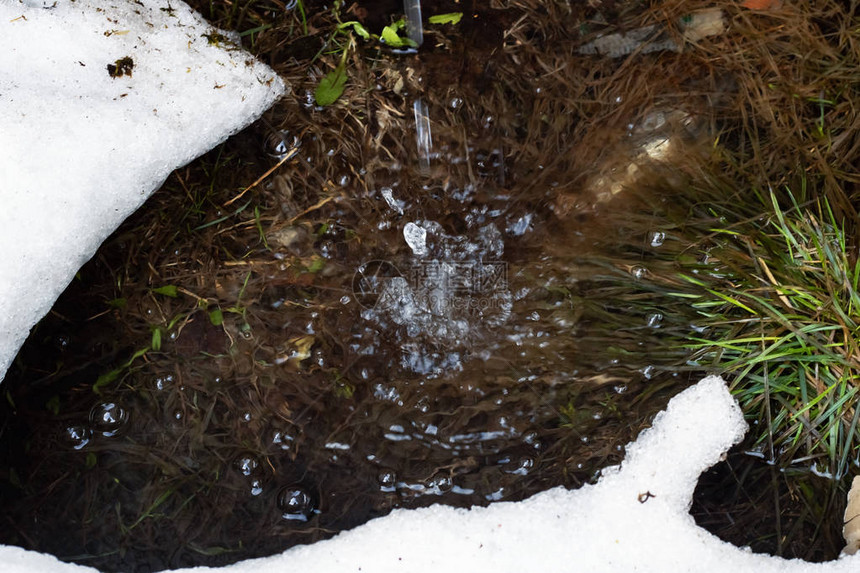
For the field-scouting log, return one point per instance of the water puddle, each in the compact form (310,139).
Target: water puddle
(458,285)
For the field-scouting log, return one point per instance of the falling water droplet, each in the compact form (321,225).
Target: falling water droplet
(423,134)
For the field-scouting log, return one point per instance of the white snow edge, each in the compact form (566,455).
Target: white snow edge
(599,528)
(81,150)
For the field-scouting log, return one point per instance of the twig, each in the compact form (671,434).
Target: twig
(291,153)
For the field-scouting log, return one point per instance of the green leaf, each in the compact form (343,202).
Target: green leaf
(331,86)
(53,405)
(106,379)
(450,18)
(156,339)
(168,290)
(91,460)
(216,317)
(117,303)
(356,27)
(316,265)
(391,37)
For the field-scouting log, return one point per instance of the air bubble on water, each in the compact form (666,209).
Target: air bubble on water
(387,479)
(638,272)
(620,388)
(78,436)
(345,299)
(163,381)
(246,416)
(522,467)
(256,487)
(455,103)
(282,440)
(416,238)
(654,320)
(656,238)
(532,439)
(247,465)
(108,418)
(648,372)
(440,483)
(279,143)
(295,503)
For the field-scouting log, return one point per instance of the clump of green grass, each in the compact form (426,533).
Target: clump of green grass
(782,318)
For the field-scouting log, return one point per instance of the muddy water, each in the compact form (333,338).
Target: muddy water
(453,293)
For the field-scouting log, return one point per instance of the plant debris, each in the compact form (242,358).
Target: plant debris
(121,67)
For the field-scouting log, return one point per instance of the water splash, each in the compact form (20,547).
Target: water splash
(422,134)
(414,24)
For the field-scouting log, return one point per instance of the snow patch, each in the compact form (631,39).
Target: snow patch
(82,147)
